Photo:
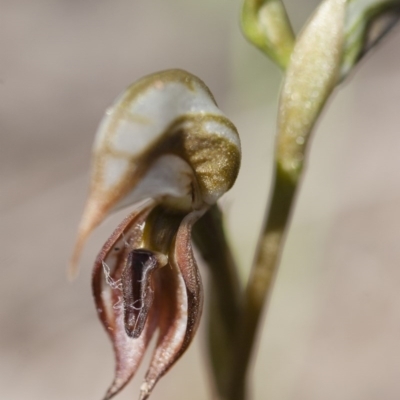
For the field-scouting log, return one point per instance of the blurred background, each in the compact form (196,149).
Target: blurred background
(333,326)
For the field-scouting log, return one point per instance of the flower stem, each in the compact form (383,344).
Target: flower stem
(313,66)
(224,297)
(258,289)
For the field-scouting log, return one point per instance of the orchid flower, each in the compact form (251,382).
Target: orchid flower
(165,146)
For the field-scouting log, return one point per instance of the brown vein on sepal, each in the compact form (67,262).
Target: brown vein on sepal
(172,323)
(186,262)
(188,288)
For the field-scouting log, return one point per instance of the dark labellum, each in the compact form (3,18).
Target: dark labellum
(137,290)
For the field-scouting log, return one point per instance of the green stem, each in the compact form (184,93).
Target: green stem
(224,297)
(264,269)
(295,125)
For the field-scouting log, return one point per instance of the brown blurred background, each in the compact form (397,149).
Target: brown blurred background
(333,327)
